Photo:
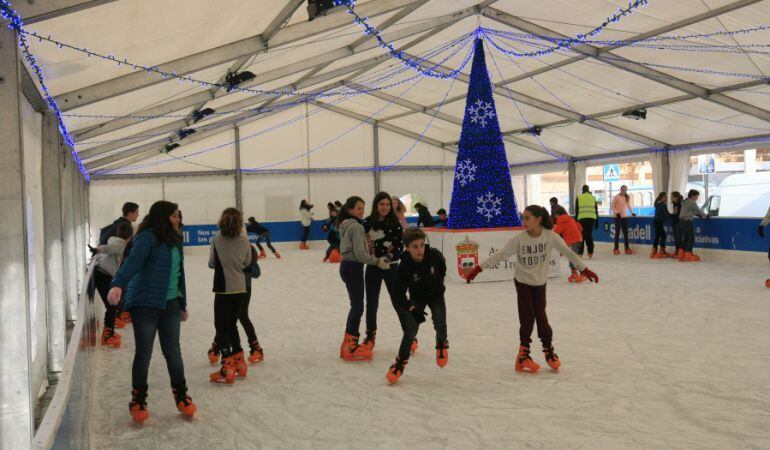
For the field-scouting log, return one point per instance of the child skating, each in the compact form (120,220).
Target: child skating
(661,214)
(355,254)
(421,274)
(532,249)
(572,232)
(686,215)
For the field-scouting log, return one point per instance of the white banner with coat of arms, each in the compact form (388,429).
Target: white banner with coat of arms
(464,249)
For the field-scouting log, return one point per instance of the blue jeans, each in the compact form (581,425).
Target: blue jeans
(166,323)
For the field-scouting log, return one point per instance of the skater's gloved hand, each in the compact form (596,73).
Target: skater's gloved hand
(588,273)
(473,273)
(185,315)
(633,214)
(384,263)
(93,250)
(761,231)
(113,297)
(617,215)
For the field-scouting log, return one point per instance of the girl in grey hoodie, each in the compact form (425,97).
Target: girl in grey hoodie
(355,253)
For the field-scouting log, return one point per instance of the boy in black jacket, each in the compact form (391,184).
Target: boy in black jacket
(421,273)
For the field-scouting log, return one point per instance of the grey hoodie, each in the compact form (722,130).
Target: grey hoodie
(353,243)
(690,210)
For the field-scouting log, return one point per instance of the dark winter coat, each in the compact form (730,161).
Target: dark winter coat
(676,207)
(425,219)
(423,280)
(111,230)
(384,239)
(256,228)
(661,211)
(146,272)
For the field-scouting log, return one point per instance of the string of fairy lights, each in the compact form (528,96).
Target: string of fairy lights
(408,70)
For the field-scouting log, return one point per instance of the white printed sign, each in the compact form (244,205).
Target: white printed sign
(463,249)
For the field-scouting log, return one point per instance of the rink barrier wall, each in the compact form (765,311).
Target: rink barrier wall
(65,423)
(195,235)
(719,233)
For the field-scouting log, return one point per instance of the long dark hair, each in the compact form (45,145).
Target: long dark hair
(678,196)
(158,221)
(305,205)
(542,213)
(390,220)
(345,213)
(660,197)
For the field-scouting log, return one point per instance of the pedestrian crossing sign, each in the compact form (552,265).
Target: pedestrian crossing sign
(612,172)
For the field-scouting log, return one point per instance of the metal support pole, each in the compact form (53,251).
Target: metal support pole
(16,410)
(238,172)
(572,177)
(665,173)
(376,151)
(68,233)
(54,258)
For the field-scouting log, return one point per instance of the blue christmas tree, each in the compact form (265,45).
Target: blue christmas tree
(482,196)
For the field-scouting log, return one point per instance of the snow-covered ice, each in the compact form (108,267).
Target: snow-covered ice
(661,354)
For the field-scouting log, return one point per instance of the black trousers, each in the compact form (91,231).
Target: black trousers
(243,318)
(677,234)
(660,234)
(102,282)
(531,302)
(227,309)
(266,237)
(330,249)
(373,279)
(410,326)
(621,223)
(688,235)
(352,273)
(588,235)
(305,233)
(166,323)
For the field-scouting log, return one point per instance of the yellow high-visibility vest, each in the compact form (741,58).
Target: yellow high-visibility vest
(587,206)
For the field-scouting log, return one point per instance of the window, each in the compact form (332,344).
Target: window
(732,184)
(636,175)
(541,187)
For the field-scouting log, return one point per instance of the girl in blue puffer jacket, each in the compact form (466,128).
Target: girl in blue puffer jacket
(153,276)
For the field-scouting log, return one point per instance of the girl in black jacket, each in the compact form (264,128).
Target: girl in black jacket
(384,236)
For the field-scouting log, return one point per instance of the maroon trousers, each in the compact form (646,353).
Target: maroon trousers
(531,300)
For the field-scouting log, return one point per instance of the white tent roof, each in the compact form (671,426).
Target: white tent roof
(577,97)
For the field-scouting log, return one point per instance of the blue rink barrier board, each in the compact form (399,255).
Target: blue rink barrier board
(715,233)
(197,235)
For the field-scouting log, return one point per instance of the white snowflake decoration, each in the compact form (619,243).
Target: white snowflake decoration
(481,112)
(489,206)
(466,172)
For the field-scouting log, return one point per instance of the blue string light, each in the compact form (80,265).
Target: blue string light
(17,24)
(370,81)
(348,92)
(630,42)
(165,74)
(421,66)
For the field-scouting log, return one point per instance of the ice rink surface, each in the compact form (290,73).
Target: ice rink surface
(660,354)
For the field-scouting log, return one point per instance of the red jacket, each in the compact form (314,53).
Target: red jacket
(569,229)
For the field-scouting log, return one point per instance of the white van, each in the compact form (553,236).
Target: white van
(741,195)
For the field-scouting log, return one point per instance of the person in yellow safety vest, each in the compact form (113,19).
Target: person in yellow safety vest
(587,213)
